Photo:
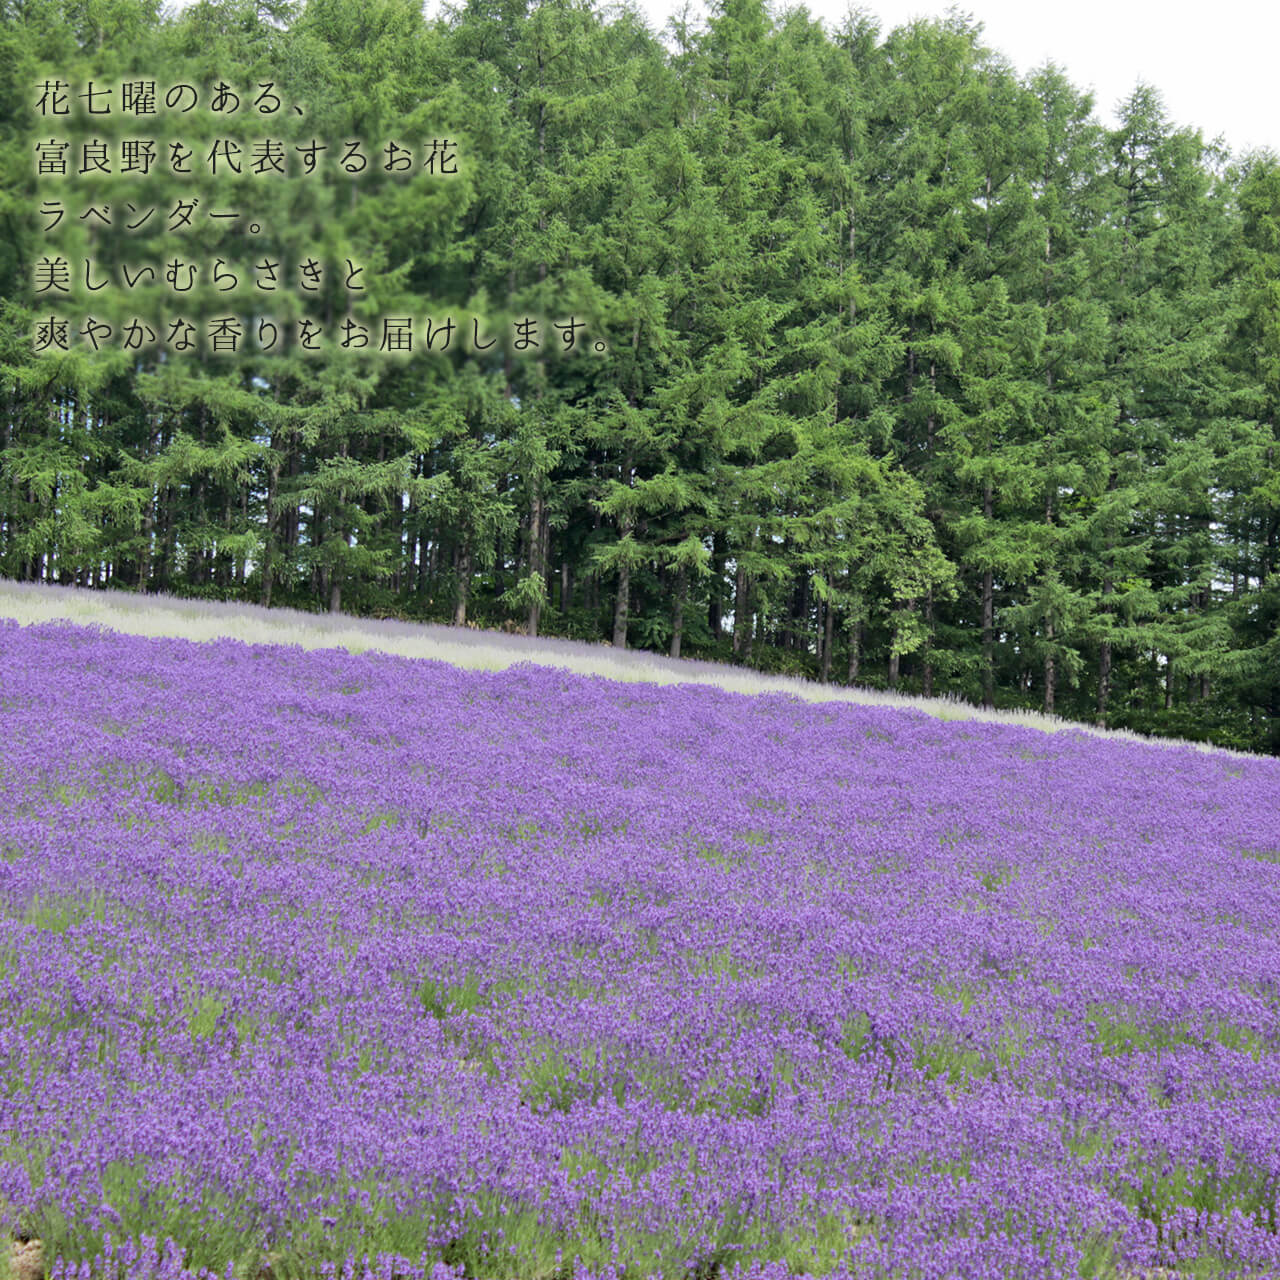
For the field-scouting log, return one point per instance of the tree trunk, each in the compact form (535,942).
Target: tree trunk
(1050,675)
(677,610)
(715,608)
(499,584)
(740,620)
(224,567)
(798,632)
(404,547)
(335,587)
(293,518)
(536,508)
(1104,682)
(855,647)
(464,583)
(148,523)
(548,573)
(621,604)
(988,616)
(828,638)
(242,562)
(927,683)
(1104,647)
(268,565)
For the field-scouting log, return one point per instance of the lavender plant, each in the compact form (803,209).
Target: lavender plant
(332,965)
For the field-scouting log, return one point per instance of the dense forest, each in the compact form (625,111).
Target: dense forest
(915,375)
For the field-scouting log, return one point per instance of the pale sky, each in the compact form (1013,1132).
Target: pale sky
(1214,64)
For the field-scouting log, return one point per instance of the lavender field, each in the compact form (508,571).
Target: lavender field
(314,964)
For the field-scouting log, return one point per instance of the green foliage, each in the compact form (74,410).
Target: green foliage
(441,998)
(912,373)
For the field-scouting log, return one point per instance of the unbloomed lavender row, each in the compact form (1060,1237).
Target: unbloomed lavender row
(305,954)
